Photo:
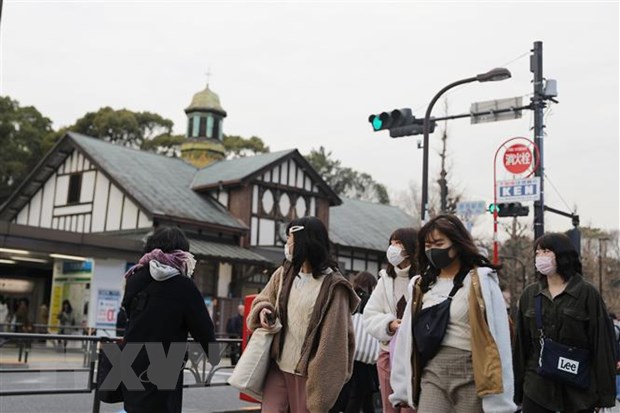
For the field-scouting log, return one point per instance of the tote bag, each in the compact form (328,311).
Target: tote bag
(251,369)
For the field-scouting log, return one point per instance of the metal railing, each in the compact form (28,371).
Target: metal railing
(196,363)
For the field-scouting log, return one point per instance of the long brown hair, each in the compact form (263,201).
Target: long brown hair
(462,242)
(407,236)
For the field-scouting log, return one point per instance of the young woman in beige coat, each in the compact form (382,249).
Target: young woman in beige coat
(313,352)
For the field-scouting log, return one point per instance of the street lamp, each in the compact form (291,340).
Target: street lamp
(490,76)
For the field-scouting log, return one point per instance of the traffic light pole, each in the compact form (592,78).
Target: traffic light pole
(538,102)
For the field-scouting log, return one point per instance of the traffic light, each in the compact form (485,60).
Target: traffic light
(492,208)
(512,209)
(400,122)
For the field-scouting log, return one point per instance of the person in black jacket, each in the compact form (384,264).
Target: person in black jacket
(163,305)
(573,314)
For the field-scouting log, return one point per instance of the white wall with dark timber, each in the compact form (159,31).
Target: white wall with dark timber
(92,204)
(355,261)
(280,195)
(221,196)
(224,279)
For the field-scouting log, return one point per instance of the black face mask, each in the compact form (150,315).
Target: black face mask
(439,257)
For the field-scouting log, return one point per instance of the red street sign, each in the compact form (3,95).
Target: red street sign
(518,158)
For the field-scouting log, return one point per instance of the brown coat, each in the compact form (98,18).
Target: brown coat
(327,351)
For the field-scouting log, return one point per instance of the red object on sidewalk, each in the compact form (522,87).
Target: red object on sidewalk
(247,302)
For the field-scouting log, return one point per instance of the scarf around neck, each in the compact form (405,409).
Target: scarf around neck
(183,261)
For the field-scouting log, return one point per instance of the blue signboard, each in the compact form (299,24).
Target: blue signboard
(518,190)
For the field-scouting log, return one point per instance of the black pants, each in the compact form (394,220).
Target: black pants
(357,393)
(530,406)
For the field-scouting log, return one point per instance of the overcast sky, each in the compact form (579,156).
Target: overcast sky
(306,74)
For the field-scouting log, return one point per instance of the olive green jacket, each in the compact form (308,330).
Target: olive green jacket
(576,317)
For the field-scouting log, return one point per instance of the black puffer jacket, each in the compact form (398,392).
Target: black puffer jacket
(168,311)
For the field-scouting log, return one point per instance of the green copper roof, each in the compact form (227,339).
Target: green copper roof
(362,224)
(206,100)
(158,183)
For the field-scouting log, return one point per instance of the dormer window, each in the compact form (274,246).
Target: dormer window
(75,188)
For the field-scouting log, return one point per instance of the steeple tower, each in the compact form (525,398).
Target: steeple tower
(205,117)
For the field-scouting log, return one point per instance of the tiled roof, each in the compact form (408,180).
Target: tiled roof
(235,169)
(160,184)
(364,224)
(225,252)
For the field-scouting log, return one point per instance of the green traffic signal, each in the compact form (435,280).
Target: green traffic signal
(377,123)
(493,207)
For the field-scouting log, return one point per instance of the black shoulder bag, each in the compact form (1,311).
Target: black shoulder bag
(558,362)
(430,326)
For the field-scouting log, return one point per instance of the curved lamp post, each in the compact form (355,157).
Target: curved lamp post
(490,76)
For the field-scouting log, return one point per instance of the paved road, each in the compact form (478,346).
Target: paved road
(212,399)
(206,399)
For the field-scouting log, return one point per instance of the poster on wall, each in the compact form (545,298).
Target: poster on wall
(71,281)
(108,304)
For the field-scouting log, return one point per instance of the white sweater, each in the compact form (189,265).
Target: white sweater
(380,310)
(495,308)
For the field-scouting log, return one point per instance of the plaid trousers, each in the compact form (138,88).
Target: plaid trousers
(447,384)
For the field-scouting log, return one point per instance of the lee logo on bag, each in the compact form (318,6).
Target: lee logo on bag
(568,365)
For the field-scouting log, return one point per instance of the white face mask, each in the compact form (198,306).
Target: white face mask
(287,254)
(545,264)
(394,255)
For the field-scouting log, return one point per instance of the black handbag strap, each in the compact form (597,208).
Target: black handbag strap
(455,288)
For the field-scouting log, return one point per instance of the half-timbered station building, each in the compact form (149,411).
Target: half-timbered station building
(80,218)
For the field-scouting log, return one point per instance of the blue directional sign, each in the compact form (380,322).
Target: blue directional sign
(471,208)
(518,190)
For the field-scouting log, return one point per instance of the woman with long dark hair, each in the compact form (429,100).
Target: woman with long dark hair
(458,358)
(572,314)
(312,354)
(385,308)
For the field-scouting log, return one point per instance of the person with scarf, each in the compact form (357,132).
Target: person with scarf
(163,305)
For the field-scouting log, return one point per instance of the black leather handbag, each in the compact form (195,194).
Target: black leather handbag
(430,327)
(558,362)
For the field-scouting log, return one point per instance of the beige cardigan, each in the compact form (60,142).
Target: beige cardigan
(327,352)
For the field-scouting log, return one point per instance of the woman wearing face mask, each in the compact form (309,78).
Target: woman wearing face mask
(312,354)
(467,368)
(384,311)
(573,314)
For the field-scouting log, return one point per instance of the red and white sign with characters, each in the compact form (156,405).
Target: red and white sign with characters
(518,158)
(108,304)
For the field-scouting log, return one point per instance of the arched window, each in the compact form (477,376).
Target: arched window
(210,122)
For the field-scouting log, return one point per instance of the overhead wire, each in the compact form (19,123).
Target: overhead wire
(558,192)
